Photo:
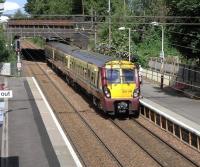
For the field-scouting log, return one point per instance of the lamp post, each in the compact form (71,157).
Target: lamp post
(109,28)
(129,41)
(162,54)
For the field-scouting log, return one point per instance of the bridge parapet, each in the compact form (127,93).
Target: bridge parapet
(39,22)
(50,28)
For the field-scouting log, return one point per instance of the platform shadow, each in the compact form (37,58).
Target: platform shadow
(33,54)
(12,161)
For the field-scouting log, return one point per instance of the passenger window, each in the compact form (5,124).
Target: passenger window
(92,78)
(88,74)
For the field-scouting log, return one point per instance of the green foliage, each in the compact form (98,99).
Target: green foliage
(61,7)
(100,7)
(151,46)
(64,7)
(52,7)
(77,7)
(36,7)
(6,54)
(147,7)
(19,14)
(186,38)
(145,43)
(38,41)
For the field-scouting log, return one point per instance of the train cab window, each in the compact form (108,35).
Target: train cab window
(128,75)
(113,75)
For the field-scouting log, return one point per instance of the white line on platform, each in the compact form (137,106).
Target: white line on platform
(75,157)
(4,142)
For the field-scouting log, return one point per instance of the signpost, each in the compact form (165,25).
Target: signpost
(5,94)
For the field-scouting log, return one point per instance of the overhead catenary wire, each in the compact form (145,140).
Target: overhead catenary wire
(135,23)
(186,47)
(191,35)
(113,16)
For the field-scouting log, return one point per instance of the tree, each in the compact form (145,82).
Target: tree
(59,7)
(36,7)
(51,7)
(6,55)
(19,14)
(77,7)
(185,37)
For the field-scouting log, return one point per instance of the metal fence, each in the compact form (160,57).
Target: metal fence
(179,76)
(186,134)
(9,69)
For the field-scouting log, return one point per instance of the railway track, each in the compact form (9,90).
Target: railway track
(32,71)
(128,130)
(142,136)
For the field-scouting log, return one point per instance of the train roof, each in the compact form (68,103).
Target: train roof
(90,57)
(63,47)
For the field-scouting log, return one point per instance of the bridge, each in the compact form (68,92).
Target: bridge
(74,30)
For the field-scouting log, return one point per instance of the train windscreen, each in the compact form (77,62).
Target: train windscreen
(113,75)
(120,75)
(128,75)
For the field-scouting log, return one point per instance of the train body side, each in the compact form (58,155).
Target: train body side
(91,73)
(77,71)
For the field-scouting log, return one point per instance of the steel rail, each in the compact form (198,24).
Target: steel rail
(155,136)
(85,122)
(60,122)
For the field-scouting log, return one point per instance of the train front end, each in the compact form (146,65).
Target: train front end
(121,88)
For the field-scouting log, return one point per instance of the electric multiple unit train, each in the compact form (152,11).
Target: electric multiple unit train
(112,83)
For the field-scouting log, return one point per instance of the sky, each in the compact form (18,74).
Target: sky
(14,3)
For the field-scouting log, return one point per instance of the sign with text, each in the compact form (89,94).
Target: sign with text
(6,94)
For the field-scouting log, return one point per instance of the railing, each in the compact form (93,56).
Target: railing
(180,77)
(9,69)
(174,125)
(177,76)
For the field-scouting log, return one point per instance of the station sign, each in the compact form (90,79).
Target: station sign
(1,118)
(19,66)
(6,94)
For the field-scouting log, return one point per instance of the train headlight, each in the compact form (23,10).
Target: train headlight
(106,91)
(136,93)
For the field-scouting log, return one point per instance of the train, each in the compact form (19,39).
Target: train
(112,83)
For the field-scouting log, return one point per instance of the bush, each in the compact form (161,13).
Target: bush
(6,54)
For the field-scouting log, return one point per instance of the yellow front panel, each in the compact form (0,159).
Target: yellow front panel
(120,64)
(122,90)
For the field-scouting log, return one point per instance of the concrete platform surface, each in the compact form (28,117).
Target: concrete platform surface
(173,100)
(29,135)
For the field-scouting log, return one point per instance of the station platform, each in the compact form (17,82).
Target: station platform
(30,135)
(173,103)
